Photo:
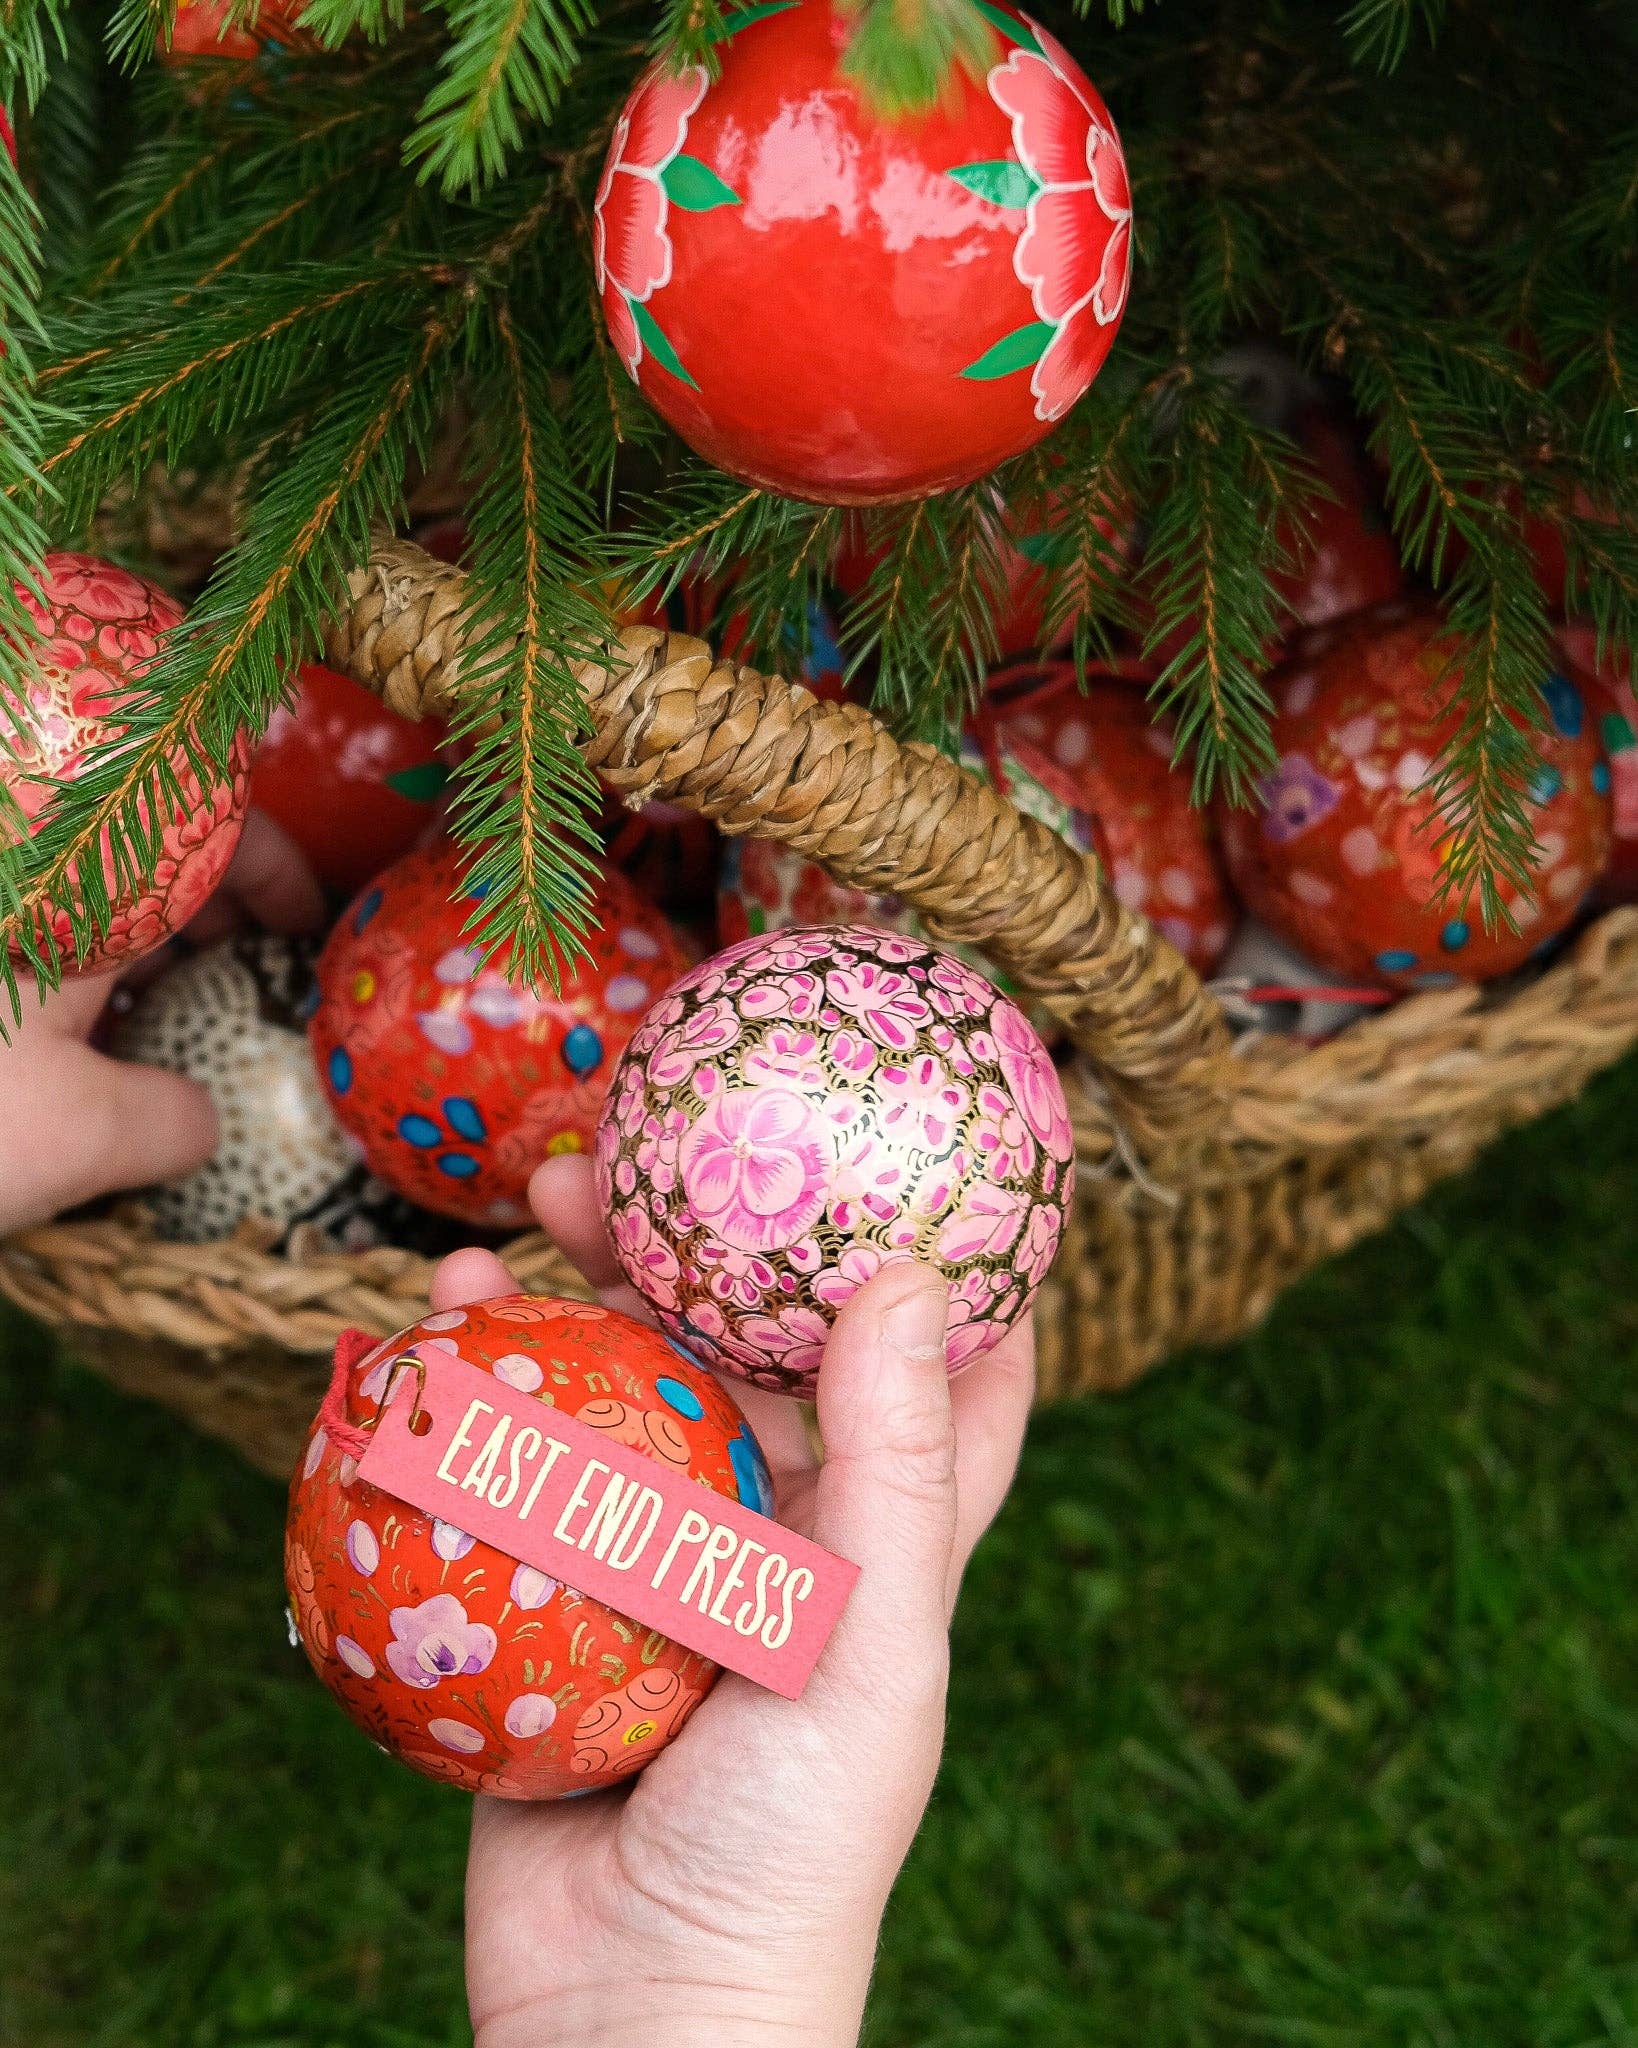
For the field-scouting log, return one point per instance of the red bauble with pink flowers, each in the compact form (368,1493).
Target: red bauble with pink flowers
(1159,849)
(455,1082)
(457,1659)
(102,630)
(1344,859)
(848,306)
(352,783)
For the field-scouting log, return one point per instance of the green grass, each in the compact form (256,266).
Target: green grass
(1296,1695)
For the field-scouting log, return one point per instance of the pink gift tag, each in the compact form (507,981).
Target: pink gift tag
(598,1516)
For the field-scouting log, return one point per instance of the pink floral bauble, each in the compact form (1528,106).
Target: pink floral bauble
(810,1106)
(101,630)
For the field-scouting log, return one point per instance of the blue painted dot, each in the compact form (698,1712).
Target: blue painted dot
(1455,935)
(1396,960)
(582,1049)
(1564,704)
(1547,784)
(750,1473)
(465,1118)
(309,1002)
(458,1165)
(419,1130)
(675,1395)
(478,892)
(1601,777)
(367,908)
(341,1069)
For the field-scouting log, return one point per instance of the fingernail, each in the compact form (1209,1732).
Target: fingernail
(915,1326)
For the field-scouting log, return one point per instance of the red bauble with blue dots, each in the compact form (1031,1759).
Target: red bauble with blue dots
(1345,857)
(455,1082)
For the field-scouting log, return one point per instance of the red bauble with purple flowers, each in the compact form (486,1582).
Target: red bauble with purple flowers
(455,1082)
(1344,860)
(102,630)
(462,1662)
(851,306)
(810,1106)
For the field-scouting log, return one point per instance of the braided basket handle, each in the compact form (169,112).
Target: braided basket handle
(762,755)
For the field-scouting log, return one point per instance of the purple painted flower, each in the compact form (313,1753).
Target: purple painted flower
(530,1588)
(435,1641)
(1294,796)
(449,1542)
(363,1548)
(530,1714)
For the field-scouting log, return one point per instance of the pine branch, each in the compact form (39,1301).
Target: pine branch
(525,791)
(906,54)
(1379,32)
(505,67)
(24,422)
(225,667)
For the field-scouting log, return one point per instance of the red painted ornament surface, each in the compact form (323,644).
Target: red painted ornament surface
(1345,858)
(1158,848)
(456,1083)
(462,1662)
(102,629)
(1614,702)
(804,1109)
(352,783)
(203,29)
(849,307)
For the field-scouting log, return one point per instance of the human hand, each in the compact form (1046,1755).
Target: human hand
(734,1893)
(74,1123)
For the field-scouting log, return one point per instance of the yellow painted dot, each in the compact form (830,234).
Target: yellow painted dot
(565,1141)
(363,985)
(639,1731)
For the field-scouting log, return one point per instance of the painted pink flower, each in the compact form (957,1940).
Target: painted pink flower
(865,1181)
(1075,254)
(984,1225)
(1001,1137)
(886,1004)
(922,1104)
(711,1029)
(630,245)
(796,1337)
(650,1263)
(859,1263)
(1026,1067)
(1295,796)
(754,1166)
(435,1641)
(1040,1244)
(784,1054)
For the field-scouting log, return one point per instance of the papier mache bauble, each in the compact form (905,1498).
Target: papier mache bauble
(460,1661)
(102,629)
(352,783)
(207,28)
(805,1108)
(1614,706)
(1158,846)
(234,1017)
(1344,858)
(455,1082)
(844,305)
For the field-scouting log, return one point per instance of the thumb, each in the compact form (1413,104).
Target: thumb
(886,1495)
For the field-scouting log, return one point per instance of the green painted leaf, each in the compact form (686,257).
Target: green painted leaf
(654,340)
(1617,733)
(422,784)
(1014,351)
(742,17)
(1002,183)
(694,186)
(1011,27)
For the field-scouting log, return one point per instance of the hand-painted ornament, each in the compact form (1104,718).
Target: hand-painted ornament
(803,1109)
(234,1017)
(203,29)
(352,783)
(1345,858)
(460,1661)
(1157,846)
(1614,703)
(456,1083)
(102,629)
(849,307)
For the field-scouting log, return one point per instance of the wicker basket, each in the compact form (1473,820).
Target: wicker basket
(1212,1172)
